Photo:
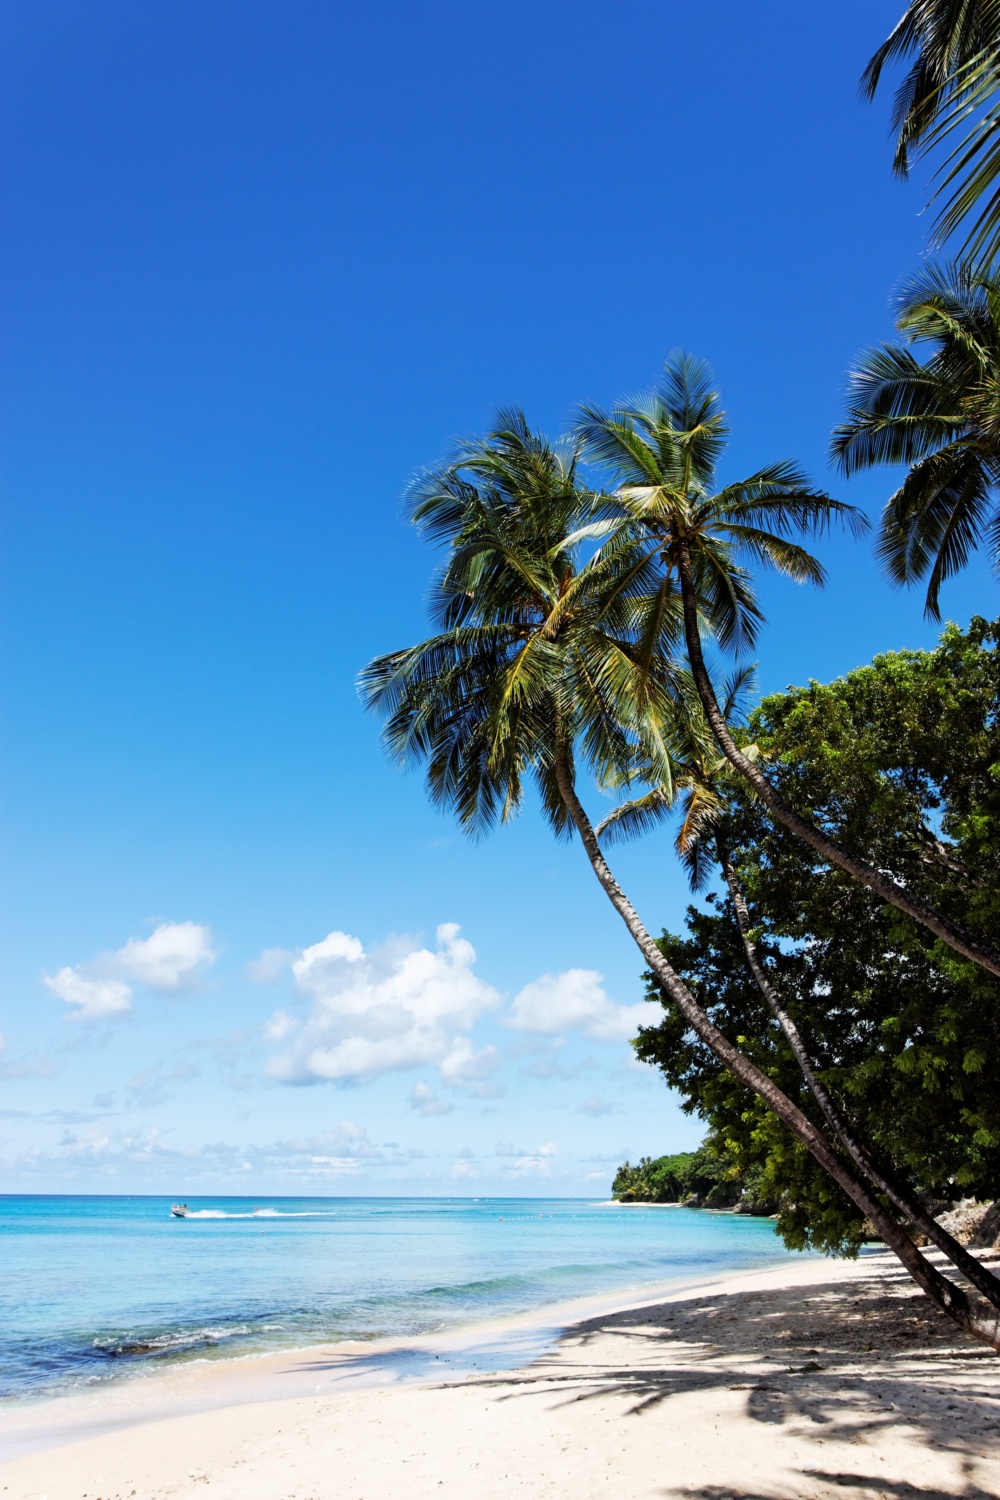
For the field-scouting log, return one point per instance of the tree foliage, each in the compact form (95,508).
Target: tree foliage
(535,655)
(697,1179)
(939,415)
(948,99)
(900,760)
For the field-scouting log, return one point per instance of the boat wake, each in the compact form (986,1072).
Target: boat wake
(258,1213)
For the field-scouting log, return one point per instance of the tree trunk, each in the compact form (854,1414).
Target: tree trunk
(877,881)
(951,1299)
(886,1182)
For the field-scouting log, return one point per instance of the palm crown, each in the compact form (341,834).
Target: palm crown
(536,657)
(942,417)
(666,514)
(662,450)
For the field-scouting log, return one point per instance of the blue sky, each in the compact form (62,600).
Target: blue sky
(262,261)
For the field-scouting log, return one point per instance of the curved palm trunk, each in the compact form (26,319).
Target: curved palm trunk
(887,1183)
(883,885)
(951,1299)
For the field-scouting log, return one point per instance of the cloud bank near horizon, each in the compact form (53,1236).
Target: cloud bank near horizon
(415,1026)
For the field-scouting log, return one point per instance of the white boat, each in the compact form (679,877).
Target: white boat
(179,1210)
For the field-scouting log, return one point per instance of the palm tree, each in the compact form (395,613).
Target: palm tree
(942,417)
(526,677)
(951,84)
(702,783)
(477,700)
(662,450)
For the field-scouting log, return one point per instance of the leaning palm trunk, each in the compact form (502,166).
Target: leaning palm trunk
(885,1181)
(950,1298)
(881,884)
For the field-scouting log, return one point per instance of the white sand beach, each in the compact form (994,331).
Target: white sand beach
(807,1382)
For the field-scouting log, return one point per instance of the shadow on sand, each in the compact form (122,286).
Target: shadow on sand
(836,1361)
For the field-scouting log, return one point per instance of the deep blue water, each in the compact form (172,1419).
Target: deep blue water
(91,1288)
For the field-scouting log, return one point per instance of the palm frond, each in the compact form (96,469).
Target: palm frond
(612,440)
(933,521)
(940,417)
(636,817)
(730,606)
(775,552)
(736,689)
(780,498)
(952,41)
(898,410)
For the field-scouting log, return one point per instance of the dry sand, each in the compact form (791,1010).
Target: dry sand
(821,1379)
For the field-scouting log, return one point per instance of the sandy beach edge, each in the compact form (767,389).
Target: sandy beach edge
(508,1342)
(807,1380)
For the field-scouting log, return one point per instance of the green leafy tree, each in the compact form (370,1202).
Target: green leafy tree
(539,666)
(706,787)
(940,416)
(905,1035)
(663,452)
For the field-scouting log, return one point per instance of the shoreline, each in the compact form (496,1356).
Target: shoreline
(233,1297)
(812,1379)
(33,1423)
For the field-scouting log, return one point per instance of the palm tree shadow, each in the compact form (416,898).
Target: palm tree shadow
(858,1484)
(834,1361)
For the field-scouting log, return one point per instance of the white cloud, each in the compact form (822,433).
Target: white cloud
(464,1067)
(574,1001)
(396,1008)
(108,1152)
(168,958)
(92,997)
(150,1086)
(319,961)
(167,962)
(280,1025)
(424,1100)
(25,1064)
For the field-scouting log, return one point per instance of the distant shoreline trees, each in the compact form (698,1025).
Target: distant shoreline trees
(694,1179)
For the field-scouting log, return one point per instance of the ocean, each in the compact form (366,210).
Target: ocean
(93,1288)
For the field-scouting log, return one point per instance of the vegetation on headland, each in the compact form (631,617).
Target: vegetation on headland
(696,1179)
(830,1013)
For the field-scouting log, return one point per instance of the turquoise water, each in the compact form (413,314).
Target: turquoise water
(92,1288)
